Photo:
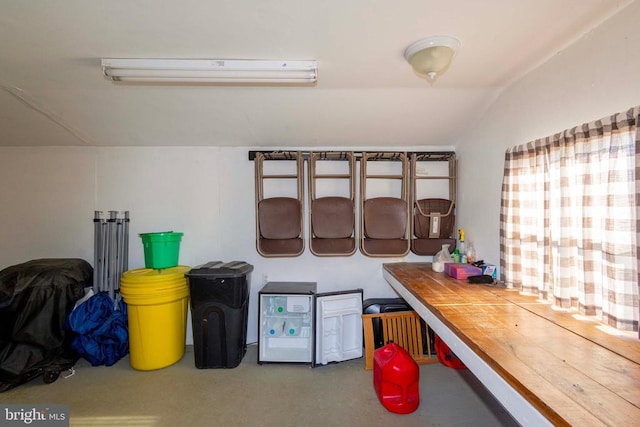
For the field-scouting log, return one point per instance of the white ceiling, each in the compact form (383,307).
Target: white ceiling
(53,91)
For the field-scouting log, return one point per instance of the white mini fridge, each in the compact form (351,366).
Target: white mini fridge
(299,325)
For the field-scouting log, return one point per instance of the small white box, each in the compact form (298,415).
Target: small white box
(489,270)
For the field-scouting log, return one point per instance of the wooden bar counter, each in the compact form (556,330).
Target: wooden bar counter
(545,366)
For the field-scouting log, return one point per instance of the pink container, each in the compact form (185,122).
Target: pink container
(461,271)
(396,379)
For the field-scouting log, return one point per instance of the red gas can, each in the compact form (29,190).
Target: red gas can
(396,379)
(446,356)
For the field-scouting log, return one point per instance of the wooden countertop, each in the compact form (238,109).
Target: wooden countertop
(571,371)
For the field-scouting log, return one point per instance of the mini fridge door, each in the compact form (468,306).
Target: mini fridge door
(338,326)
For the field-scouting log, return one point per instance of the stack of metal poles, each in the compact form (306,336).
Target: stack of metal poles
(111,250)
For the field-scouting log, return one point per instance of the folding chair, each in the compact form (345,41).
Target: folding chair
(433,219)
(279,220)
(384,221)
(332,218)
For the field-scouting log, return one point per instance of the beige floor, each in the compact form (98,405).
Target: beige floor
(339,394)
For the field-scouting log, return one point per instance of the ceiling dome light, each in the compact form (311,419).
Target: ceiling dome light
(432,56)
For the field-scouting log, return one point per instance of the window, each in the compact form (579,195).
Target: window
(569,219)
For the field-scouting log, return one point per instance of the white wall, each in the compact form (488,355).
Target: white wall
(597,76)
(49,196)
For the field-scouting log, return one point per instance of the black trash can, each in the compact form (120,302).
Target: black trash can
(219,311)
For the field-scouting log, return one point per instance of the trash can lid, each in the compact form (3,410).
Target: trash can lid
(221,269)
(151,276)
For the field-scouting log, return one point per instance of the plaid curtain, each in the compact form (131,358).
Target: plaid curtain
(569,222)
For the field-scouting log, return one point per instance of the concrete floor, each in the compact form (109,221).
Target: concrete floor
(339,394)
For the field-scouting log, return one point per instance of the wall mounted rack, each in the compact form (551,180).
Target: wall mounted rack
(421,156)
(388,226)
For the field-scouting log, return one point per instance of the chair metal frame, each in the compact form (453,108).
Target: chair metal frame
(259,196)
(404,195)
(451,177)
(313,175)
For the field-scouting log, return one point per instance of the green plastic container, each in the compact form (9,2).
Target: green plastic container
(161,250)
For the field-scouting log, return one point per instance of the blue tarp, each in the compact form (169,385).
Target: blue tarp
(101,327)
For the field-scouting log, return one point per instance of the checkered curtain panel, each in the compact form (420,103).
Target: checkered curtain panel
(569,222)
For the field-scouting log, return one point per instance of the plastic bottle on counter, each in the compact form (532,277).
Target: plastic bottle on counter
(461,247)
(471,253)
(440,258)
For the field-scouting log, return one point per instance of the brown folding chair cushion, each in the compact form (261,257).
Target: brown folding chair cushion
(385,226)
(333,247)
(332,224)
(280,218)
(427,247)
(332,217)
(386,247)
(281,247)
(385,218)
(280,225)
(422,218)
(427,241)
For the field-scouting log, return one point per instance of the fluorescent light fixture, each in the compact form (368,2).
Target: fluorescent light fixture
(210,71)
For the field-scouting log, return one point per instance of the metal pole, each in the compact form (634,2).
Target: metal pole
(120,248)
(104,250)
(112,253)
(101,243)
(125,264)
(97,216)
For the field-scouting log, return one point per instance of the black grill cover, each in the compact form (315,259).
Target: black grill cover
(35,299)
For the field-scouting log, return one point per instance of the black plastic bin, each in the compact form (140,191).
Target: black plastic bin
(219,310)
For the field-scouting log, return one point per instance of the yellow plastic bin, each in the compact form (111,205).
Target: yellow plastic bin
(157,304)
